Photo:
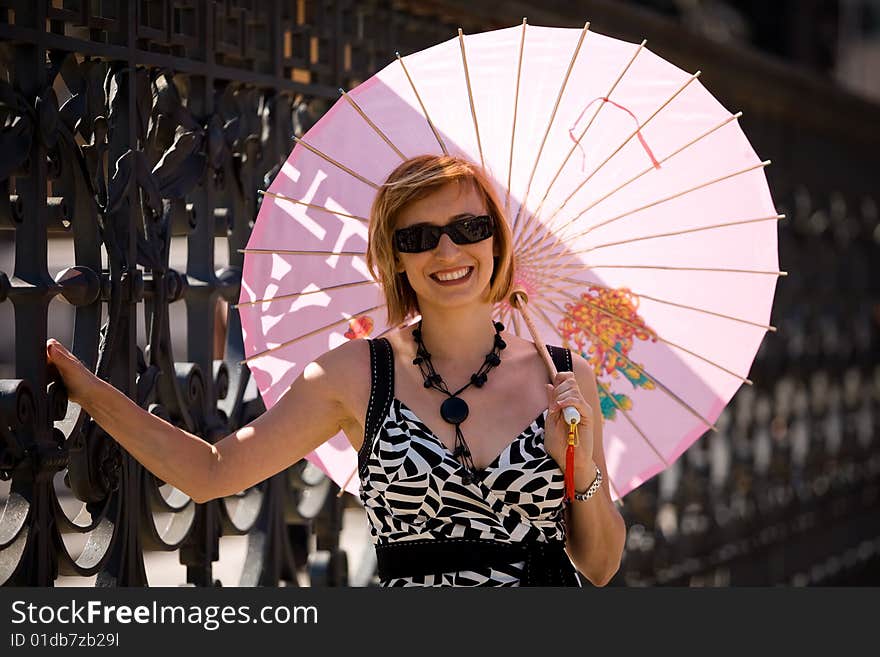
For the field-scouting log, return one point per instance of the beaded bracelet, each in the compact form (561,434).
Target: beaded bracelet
(587,494)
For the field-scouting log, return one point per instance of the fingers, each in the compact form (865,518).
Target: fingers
(567,393)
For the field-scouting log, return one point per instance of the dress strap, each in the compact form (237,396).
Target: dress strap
(381,394)
(561,358)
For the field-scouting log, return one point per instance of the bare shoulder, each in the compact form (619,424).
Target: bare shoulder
(344,371)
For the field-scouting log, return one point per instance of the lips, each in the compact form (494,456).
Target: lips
(452,275)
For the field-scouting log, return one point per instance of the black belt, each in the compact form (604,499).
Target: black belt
(546,564)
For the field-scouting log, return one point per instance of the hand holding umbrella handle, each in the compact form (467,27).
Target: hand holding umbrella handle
(519,300)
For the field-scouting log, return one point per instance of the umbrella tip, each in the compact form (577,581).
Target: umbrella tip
(341,91)
(525,20)
(644,41)
(397,54)
(460,33)
(738,114)
(698,74)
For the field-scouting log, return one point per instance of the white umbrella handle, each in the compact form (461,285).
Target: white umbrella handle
(519,300)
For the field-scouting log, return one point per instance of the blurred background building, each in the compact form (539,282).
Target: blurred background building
(788,492)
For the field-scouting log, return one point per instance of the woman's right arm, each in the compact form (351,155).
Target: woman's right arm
(311,410)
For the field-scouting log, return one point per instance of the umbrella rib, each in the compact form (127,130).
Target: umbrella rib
(467,79)
(309,334)
(714,181)
(577,143)
(742,222)
(300,294)
(618,149)
(537,242)
(645,372)
(656,335)
(312,205)
(366,118)
(330,160)
(550,122)
(580,267)
(422,105)
(522,42)
(301,252)
(766,327)
(635,426)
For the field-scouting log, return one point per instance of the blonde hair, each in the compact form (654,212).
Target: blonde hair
(413,180)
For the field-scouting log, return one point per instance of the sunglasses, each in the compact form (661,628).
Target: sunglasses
(424,237)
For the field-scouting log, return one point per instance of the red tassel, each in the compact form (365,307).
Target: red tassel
(569,463)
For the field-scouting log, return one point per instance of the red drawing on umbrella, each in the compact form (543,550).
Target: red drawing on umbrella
(602,326)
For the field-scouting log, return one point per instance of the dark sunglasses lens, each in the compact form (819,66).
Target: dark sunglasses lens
(472,230)
(417,239)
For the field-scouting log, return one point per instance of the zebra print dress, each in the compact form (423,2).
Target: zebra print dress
(412,487)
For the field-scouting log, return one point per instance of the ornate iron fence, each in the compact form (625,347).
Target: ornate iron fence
(125,125)
(128,127)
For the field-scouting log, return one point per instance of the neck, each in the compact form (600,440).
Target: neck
(463,335)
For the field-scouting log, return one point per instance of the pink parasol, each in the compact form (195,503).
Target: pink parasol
(645,233)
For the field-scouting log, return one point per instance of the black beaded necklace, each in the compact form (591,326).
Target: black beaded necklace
(454,409)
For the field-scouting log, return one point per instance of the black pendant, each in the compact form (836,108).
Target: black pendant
(454,410)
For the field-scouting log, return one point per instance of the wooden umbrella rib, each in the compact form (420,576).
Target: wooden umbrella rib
(339,165)
(635,426)
(575,281)
(301,252)
(687,231)
(666,199)
(422,105)
(660,267)
(618,149)
(536,241)
(467,79)
(583,134)
(309,334)
(290,199)
(376,128)
(293,295)
(522,42)
(663,387)
(607,312)
(550,122)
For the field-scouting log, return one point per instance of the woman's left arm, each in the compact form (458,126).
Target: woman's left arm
(596,532)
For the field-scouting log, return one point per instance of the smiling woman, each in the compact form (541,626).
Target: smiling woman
(461,473)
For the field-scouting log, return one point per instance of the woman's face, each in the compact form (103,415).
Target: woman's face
(450,274)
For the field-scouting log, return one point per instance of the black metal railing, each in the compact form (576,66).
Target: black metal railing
(127,127)
(133,139)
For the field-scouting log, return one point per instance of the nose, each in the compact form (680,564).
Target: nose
(446,248)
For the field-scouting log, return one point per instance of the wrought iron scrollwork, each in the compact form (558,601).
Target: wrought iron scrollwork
(120,151)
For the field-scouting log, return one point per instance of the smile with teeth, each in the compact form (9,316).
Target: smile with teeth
(452,274)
